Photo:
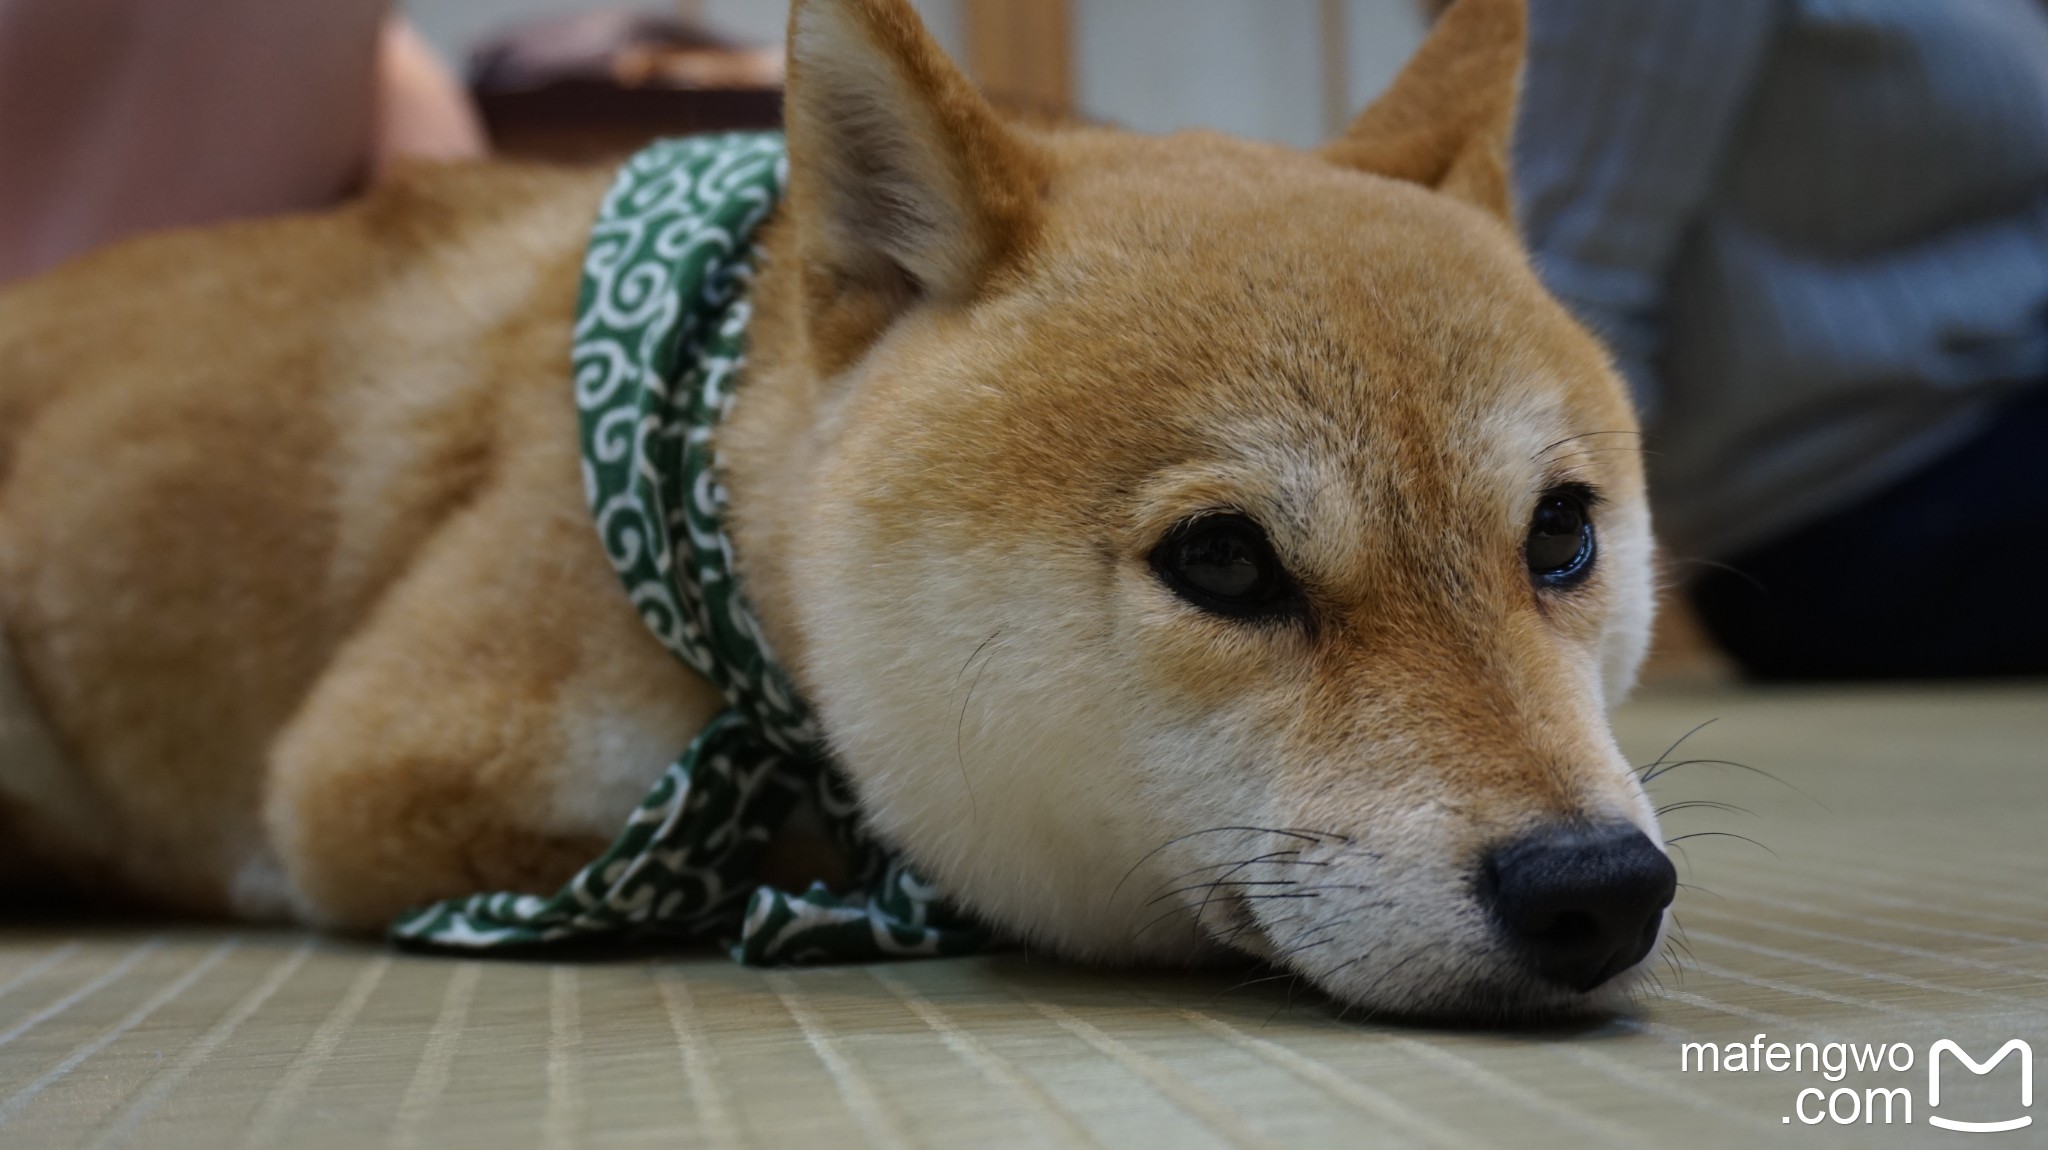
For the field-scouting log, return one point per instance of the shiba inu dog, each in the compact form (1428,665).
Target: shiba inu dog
(1192,546)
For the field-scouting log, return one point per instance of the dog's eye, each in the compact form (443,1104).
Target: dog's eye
(1224,564)
(1561,543)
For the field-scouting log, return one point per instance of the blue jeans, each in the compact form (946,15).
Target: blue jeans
(1944,574)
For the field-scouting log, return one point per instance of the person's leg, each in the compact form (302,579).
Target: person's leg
(124,116)
(120,116)
(423,111)
(1942,575)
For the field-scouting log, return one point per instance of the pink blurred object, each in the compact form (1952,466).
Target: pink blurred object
(125,116)
(423,111)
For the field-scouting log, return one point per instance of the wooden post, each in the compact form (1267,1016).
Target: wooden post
(1021,51)
(1335,32)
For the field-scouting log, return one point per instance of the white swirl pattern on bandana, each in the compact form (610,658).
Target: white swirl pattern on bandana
(658,348)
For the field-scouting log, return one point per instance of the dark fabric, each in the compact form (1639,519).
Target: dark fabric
(1941,575)
(1814,232)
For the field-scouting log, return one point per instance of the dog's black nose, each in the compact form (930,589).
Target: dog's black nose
(1581,903)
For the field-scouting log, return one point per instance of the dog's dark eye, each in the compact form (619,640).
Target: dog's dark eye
(1561,544)
(1224,564)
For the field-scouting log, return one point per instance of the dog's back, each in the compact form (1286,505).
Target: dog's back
(218,449)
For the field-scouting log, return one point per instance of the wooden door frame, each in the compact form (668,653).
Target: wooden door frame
(1021,52)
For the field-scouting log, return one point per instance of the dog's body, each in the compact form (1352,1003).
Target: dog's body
(297,455)
(295,565)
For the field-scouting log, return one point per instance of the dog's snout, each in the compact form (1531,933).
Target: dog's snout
(1582,904)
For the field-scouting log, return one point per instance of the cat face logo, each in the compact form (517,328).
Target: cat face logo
(2026,1054)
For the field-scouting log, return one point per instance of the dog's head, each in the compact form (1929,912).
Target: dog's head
(1214,546)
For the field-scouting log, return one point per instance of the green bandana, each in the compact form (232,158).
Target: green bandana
(658,346)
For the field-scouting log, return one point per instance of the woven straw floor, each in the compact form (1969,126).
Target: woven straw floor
(1904,904)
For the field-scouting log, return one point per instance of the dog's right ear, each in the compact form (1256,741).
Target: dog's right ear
(1447,120)
(905,186)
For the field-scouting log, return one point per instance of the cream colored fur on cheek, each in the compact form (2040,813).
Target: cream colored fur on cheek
(1626,552)
(998,732)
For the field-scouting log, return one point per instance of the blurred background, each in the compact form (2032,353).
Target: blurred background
(119,116)
(1814,233)
(1287,70)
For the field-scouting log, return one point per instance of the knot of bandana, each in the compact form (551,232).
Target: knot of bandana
(658,347)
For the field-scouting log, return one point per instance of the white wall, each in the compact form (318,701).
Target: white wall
(1253,67)
(1158,65)
(1381,35)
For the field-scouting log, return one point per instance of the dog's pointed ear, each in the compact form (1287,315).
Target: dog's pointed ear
(905,184)
(1447,121)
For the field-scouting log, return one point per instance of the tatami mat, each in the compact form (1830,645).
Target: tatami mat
(1904,903)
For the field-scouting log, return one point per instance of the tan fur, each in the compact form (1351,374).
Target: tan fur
(294,559)
(1448,119)
(278,460)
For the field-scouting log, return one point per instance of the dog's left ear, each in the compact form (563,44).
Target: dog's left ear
(905,185)
(1447,121)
